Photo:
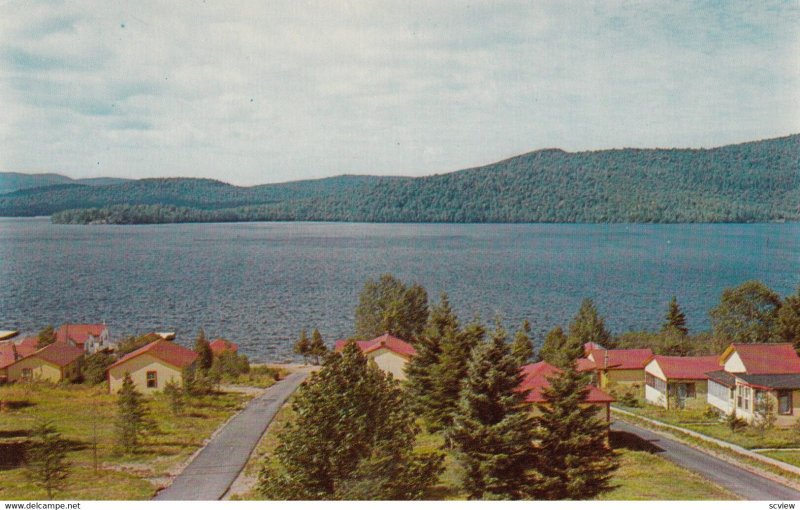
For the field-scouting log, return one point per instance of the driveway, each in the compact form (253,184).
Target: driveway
(741,482)
(218,464)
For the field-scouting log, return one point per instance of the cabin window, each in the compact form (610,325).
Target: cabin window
(27,374)
(656,383)
(152,380)
(690,391)
(746,398)
(785,402)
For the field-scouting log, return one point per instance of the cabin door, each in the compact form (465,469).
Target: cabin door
(682,392)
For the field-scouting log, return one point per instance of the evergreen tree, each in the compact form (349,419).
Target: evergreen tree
(203,349)
(353,439)
(492,430)
(573,460)
(175,398)
(95,365)
(589,326)
(389,306)
(788,323)
(675,319)
(317,347)
(46,458)
(130,421)
(746,314)
(522,348)
(47,336)
(559,349)
(302,346)
(420,370)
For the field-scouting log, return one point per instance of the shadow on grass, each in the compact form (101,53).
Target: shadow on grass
(12,455)
(7,434)
(619,439)
(13,405)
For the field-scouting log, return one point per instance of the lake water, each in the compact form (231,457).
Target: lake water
(259,283)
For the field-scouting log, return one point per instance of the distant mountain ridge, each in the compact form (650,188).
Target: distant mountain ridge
(15,181)
(750,182)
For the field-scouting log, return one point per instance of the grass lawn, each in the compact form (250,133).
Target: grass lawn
(642,475)
(694,419)
(77,411)
(789,456)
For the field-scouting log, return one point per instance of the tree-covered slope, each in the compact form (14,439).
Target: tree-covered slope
(756,181)
(15,181)
(178,192)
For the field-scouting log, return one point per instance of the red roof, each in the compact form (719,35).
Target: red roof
(28,346)
(535,380)
(386,341)
(591,346)
(8,354)
(766,358)
(58,353)
(621,359)
(166,351)
(687,367)
(79,333)
(585,365)
(221,345)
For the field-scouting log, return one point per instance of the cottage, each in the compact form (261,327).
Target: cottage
(55,363)
(535,381)
(679,381)
(220,345)
(89,337)
(390,353)
(755,377)
(151,367)
(620,367)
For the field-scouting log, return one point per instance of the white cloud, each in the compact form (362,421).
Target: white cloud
(254,92)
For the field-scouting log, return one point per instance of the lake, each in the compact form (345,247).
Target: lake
(259,283)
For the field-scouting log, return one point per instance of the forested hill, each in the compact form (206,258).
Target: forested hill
(756,181)
(14,181)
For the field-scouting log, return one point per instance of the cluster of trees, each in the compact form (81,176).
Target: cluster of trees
(310,348)
(748,313)
(749,182)
(355,428)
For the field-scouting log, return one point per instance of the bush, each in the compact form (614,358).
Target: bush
(734,422)
(629,399)
(712,412)
(94,368)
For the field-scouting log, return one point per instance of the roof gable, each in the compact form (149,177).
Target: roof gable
(535,381)
(765,358)
(621,359)
(221,345)
(387,341)
(79,333)
(685,367)
(164,350)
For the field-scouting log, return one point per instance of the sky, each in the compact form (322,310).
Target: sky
(253,92)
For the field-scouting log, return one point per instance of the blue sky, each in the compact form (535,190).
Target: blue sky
(255,92)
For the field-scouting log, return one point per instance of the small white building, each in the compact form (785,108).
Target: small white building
(390,353)
(678,380)
(89,337)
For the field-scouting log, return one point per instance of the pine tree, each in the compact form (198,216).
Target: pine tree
(522,348)
(389,306)
(353,439)
(789,320)
(559,349)
(675,319)
(419,371)
(317,347)
(130,422)
(302,346)
(492,430)
(46,458)
(175,398)
(46,336)
(573,459)
(203,349)
(589,326)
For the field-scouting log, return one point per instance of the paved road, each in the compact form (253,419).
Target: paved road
(217,465)
(745,484)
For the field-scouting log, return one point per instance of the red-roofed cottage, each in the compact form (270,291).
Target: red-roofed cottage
(151,367)
(535,380)
(748,374)
(678,380)
(389,352)
(620,367)
(55,363)
(220,345)
(89,337)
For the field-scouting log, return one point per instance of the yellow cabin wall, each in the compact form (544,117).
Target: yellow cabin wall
(43,370)
(391,362)
(138,368)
